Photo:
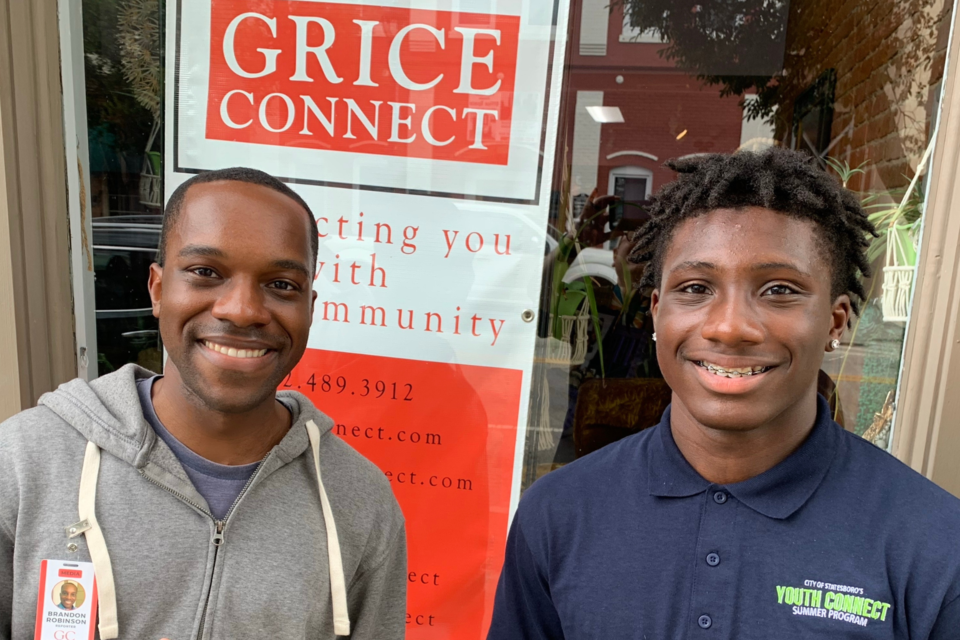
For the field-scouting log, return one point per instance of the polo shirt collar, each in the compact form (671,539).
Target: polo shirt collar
(776,493)
(669,473)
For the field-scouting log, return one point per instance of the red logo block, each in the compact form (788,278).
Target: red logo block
(70,573)
(363,79)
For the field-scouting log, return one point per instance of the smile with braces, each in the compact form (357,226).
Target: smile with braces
(732,373)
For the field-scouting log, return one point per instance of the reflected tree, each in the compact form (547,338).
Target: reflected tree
(888,55)
(737,45)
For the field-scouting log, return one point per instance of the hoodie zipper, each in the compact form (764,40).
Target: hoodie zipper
(219,525)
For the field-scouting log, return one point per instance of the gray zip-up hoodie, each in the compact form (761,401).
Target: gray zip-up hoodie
(263,572)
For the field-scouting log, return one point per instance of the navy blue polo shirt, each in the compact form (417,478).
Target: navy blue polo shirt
(840,540)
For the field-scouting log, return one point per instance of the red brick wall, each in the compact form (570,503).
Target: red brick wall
(887,54)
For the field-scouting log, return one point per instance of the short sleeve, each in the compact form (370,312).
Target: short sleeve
(523,609)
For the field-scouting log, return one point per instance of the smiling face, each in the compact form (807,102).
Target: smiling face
(68,596)
(234,296)
(743,315)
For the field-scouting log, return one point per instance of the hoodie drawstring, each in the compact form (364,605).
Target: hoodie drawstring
(99,556)
(338,584)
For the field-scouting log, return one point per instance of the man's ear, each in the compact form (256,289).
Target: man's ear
(840,316)
(654,306)
(155,287)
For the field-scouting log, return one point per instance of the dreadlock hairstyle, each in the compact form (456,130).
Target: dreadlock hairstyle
(778,179)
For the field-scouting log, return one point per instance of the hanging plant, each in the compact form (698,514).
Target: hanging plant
(897,215)
(899,234)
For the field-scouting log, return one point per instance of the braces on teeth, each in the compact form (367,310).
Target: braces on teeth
(733,373)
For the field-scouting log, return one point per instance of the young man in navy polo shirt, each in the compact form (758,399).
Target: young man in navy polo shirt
(747,512)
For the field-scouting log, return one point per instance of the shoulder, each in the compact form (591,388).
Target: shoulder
(21,426)
(583,486)
(353,472)
(345,471)
(364,492)
(35,446)
(35,434)
(898,499)
(363,501)
(369,520)
(907,514)
(899,482)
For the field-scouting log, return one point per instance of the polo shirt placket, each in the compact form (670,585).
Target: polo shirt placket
(715,562)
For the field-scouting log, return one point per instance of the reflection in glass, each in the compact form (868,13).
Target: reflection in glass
(123,70)
(858,90)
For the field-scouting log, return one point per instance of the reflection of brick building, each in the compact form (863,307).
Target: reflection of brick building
(666,113)
(885,60)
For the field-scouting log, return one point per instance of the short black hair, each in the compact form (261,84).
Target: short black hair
(778,179)
(237,174)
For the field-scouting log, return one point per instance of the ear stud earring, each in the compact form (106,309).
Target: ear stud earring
(834,344)
(654,336)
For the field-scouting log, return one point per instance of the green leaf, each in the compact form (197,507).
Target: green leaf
(569,302)
(595,316)
(844,170)
(560,268)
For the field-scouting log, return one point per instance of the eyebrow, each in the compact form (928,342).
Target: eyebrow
(767,266)
(291,265)
(695,264)
(200,250)
(763,266)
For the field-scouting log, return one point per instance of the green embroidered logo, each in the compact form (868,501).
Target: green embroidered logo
(832,601)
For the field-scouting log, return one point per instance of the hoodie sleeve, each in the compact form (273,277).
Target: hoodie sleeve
(6,582)
(8,502)
(378,595)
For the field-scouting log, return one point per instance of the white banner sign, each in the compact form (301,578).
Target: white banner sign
(422,135)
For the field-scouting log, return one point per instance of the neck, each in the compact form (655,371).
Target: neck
(224,438)
(727,456)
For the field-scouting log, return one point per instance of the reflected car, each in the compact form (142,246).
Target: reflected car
(124,247)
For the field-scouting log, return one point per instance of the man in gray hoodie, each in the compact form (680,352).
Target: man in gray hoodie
(209,505)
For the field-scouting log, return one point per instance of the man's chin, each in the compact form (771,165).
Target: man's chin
(227,391)
(731,413)
(234,401)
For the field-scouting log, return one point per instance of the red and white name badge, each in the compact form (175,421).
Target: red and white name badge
(67,605)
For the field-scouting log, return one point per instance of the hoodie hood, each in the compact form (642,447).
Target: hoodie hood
(107,413)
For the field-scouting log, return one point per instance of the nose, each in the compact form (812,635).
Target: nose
(732,320)
(242,304)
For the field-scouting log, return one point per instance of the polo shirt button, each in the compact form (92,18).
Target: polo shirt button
(719,497)
(704,621)
(713,559)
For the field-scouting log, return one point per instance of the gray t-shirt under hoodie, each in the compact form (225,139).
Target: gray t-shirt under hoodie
(219,484)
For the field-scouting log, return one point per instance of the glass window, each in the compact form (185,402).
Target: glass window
(428,139)
(124,76)
(857,91)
